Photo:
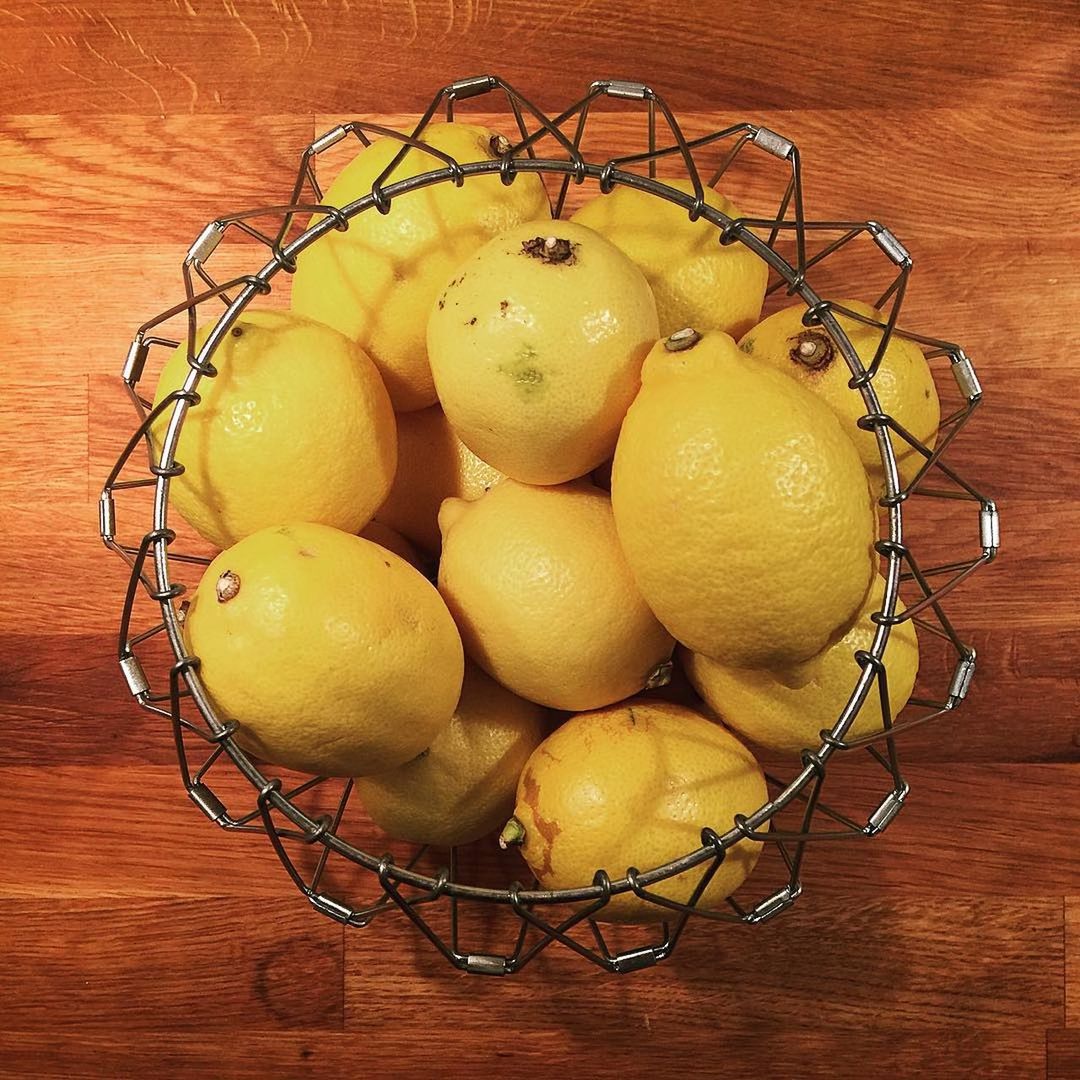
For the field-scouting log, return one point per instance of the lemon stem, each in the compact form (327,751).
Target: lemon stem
(513,832)
(549,249)
(812,350)
(683,339)
(227,586)
(660,675)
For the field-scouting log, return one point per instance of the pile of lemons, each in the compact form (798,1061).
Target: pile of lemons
(495,478)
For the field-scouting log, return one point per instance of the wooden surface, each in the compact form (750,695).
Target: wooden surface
(140,941)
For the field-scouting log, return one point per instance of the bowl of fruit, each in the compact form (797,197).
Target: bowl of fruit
(525,532)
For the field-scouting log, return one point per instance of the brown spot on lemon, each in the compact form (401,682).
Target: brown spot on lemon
(548,830)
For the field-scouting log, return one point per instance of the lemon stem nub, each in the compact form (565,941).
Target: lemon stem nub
(549,249)
(513,832)
(499,144)
(227,586)
(814,350)
(686,338)
(660,675)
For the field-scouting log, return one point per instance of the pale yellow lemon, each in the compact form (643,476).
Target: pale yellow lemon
(377,281)
(462,786)
(633,785)
(741,505)
(544,599)
(295,426)
(333,655)
(696,282)
(903,382)
(536,345)
(787,709)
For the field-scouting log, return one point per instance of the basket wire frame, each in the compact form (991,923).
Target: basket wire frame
(205,745)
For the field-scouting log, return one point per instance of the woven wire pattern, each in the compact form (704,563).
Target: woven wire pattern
(310,815)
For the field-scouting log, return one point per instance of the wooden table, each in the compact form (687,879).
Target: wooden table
(140,941)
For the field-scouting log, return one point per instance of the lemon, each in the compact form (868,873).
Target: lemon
(536,346)
(433,464)
(787,709)
(696,282)
(332,654)
(633,785)
(543,596)
(392,540)
(296,425)
(463,785)
(904,383)
(742,507)
(377,281)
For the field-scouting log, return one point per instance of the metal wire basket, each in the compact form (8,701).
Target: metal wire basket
(307,819)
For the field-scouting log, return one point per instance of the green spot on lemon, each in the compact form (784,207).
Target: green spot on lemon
(527,377)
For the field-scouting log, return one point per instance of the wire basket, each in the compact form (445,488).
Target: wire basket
(307,819)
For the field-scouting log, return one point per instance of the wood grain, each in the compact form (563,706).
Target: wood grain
(715,1048)
(141,940)
(179,960)
(161,179)
(1072,962)
(301,56)
(1063,1053)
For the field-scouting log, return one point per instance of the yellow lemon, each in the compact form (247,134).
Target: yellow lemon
(433,464)
(377,281)
(543,596)
(462,787)
(742,507)
(392,540)
(903,382)
(332,654)
(696,282)
(536,347)
(787,709)
(296,425)
(633,785)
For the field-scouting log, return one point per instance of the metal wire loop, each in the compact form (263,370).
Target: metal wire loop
(812,314)
(711,839)
(322,826)
(228,730)
(607,178)
(170,471)
(812,760)
(732,232)
(507,169)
